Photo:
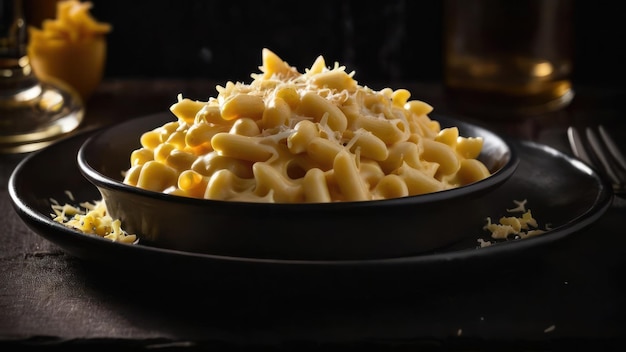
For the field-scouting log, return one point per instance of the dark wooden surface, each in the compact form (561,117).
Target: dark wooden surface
(50,300)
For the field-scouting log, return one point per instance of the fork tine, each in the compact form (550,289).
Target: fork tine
(601,155)
(612,147)
(577,145)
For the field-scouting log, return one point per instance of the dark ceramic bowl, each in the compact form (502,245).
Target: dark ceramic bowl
(327,231)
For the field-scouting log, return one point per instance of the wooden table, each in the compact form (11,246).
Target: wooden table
(569,294)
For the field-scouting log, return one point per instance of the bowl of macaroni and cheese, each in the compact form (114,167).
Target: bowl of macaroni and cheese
(309,166)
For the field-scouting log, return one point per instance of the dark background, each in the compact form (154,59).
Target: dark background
(383,41)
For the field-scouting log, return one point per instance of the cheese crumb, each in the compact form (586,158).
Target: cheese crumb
(70,195)
(549,329)
(521,206)
(483,243)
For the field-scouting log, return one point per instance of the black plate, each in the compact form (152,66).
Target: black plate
(562,193)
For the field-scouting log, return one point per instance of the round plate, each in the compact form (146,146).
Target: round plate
(562,193)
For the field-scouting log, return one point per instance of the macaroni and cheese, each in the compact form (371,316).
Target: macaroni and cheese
(291,137)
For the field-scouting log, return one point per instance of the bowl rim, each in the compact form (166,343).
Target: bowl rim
(500,176)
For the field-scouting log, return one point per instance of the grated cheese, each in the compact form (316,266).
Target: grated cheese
(90,218)
(515,227)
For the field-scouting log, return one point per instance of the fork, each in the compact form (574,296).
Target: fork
(602,152)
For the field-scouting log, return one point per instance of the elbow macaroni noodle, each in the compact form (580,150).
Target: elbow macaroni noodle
(290,137)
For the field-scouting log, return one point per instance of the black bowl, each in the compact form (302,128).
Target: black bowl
(322,231)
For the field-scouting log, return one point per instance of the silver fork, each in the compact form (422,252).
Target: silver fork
(602,152)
